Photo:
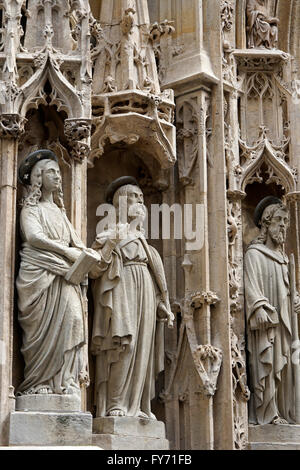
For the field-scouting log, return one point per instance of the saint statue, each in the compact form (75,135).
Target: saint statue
(262,28)
(131,305)
(51,309)
(272,305)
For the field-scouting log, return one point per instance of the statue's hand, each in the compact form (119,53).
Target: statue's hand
(165,314)
(115,233)
(262,318)
(94,253)
(72,253)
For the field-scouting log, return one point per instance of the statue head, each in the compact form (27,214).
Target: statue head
(40,171)
(273,223)
(126,191)
(134,198)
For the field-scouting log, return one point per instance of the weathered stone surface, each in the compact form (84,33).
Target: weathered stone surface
(119,442)
(273,446)
(48,403)
(274,437)
(50,429)
(125,433)
(129,426)
(269,433)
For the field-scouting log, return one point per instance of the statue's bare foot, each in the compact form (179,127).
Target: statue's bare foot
(279,420)
(44,390)
(116,413)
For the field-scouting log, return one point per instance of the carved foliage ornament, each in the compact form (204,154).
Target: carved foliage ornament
(12,126)
(226,15)
(78,132)
(208,361)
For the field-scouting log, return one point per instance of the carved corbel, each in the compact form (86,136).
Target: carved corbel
(200,298)
(207,358)
(12,126)
(78,132)
(208,361)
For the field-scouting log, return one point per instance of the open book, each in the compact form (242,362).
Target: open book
(86,261)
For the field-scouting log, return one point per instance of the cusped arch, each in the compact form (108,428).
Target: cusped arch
(280,172)
(65,96)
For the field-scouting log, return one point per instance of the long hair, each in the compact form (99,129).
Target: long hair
(34,193)
(265,222)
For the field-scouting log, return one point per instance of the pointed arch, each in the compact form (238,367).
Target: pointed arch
(65,96)
(280,172)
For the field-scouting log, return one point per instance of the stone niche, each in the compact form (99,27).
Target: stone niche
(44,129)
(255,193)
(120,160)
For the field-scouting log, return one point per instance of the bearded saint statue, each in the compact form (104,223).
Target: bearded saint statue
(270,322)
(131,305)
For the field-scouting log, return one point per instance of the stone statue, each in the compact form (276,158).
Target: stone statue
(131,305)
(270,322)
(262,28)
(50,308)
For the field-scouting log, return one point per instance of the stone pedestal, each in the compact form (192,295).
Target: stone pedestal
(274,437)
(125,433)
(65,403)
(41,428)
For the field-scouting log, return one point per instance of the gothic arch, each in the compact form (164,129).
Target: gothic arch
(278,171)
(65,97)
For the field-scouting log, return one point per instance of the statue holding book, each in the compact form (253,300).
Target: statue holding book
(272,308)
(131,307)
(50,301)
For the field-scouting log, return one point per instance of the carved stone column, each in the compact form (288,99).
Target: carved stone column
(78,133)
(11,129)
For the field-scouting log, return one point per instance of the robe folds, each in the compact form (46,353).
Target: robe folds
(260,31)
(127,337)
(50,309)
(267,285)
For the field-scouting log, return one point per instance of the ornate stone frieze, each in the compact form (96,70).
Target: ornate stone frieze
(260,60)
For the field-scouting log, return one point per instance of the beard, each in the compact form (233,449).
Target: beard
(137,211)
(278,236)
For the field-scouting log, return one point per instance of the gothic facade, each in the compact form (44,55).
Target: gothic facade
(199,100)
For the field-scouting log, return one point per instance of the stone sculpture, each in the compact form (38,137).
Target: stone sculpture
(51,309)
(131,305)
(262,28)
(272,305)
